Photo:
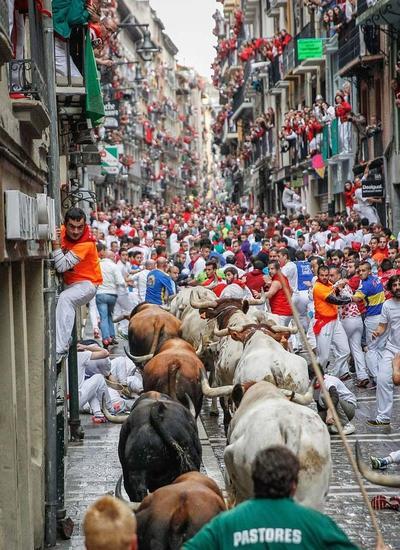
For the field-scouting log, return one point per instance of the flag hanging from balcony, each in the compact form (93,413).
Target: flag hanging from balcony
(94,98)
(318,164)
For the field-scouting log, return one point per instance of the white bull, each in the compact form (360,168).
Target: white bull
(263,358)
(266,418)
(195,330)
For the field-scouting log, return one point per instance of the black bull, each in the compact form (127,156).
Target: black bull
(158,442)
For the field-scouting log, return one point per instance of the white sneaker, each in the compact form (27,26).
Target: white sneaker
(349,429)
(332,429)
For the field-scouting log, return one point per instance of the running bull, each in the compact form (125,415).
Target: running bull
(177,371)
(266,417)
(170,516)
(157,443)
(149,327)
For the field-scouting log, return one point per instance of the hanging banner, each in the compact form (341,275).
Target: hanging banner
(309,48)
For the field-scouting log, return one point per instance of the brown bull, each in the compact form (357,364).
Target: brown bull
(149,327)
(177,371)
(172,515)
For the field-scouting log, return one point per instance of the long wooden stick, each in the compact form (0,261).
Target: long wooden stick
(331,408)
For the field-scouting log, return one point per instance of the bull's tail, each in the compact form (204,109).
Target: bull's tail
(157,413)
(172,374)
(179,524)
(156,337)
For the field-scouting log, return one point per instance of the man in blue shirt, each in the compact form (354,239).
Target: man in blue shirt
(159,284)
(371,292)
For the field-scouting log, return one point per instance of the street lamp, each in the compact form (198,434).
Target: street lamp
(146,48)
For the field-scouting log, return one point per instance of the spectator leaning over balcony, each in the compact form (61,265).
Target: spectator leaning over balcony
(342,110)
(75,255)
(67,14)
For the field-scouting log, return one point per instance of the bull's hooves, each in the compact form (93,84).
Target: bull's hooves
(214,413)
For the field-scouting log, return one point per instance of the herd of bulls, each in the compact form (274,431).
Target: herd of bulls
(263,390)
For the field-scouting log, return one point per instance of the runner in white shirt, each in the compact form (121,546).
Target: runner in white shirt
(140,279)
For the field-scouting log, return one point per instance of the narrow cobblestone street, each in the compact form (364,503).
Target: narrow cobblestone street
(93,469)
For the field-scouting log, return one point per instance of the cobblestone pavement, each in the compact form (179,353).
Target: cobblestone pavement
(93,469)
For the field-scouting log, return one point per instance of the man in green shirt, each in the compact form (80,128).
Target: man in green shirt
(272,519)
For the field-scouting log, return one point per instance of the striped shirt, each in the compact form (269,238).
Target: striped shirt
(372,292)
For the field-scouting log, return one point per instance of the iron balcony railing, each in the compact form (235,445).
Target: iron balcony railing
(349,45)
(25,77)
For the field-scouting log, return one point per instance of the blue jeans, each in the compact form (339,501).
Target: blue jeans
(105,304)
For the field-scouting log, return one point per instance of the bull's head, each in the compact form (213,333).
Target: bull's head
(375,477)
(301,399)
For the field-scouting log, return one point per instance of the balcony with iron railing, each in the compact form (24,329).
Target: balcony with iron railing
(26,81)
(264,147)
(358,46)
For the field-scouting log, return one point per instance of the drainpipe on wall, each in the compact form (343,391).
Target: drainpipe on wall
(54,456)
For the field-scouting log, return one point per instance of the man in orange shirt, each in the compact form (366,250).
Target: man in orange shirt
(330,334)
(75,256)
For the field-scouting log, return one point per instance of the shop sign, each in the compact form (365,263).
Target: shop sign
(111,110)
(309,48)
(110,160)
(373,185)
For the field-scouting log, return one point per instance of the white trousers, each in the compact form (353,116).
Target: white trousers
(375,346)
(91,392)
(61,56)
(94,314)
(333,339)
(345,136)
(73,296)
(395,456)
(123,307)
(124,371)
(354,328)
(384,385)
(300,301)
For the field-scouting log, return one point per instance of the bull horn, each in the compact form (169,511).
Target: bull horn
(198,304)
(134,506)
(257,301)
(139,358)
(221,332)
(182,307)
(213,392)
(282,328)
(299,398)
(165,307)
(199,350)
(120,318)
(191,406)
(114,419)
(372,476)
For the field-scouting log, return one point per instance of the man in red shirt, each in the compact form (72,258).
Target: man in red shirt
(240,258)
(255,279)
